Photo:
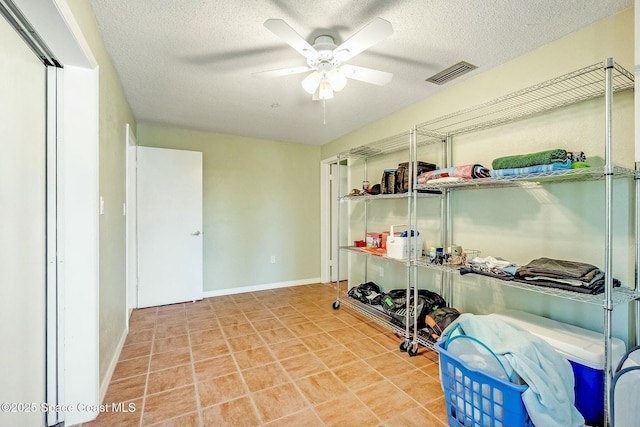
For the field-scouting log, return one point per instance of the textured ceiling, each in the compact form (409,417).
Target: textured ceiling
(189,63)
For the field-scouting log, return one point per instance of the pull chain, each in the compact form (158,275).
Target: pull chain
(324,111)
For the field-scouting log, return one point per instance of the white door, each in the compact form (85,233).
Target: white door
(169,226)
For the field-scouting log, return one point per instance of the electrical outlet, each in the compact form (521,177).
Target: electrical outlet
(273,259)
(381,271)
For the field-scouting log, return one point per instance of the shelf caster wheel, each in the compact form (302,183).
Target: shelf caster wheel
(336,305)
(413,350)
(404,345)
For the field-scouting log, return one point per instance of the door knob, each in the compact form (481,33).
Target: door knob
(196,233)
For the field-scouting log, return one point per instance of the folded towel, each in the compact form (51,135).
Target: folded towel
(523,160)
(464,171)
(531,169)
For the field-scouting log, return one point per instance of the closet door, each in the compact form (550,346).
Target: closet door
(22,230)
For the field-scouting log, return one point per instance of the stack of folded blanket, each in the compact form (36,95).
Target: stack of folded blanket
(542,161)
(567,275)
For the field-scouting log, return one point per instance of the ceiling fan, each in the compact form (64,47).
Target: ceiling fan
(326,60)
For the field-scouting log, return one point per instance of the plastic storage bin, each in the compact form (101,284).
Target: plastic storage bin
(398,247)
(475,399)
(585,351)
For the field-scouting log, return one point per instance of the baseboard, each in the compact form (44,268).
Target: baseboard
(104,384)
(263,287)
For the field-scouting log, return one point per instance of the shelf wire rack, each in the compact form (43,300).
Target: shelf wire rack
(379,317)
(390,144)
(577,86)
(529,180)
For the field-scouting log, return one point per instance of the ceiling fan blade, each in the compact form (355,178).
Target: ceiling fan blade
(282,72)
(289,35)
(372,33)
(366,75)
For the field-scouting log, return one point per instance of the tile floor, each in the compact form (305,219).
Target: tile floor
(279,357)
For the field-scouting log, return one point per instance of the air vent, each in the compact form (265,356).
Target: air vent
(364,151)
(451,73)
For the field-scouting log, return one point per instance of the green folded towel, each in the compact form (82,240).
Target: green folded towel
(532,159)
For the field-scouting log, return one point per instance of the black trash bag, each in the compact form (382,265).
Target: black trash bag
(366,293)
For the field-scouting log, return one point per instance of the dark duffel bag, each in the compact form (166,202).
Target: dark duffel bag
(402,176)
(438,320)
(394,303)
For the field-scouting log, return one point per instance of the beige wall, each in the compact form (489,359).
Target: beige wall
(114,113)
(563,221)
(261,198)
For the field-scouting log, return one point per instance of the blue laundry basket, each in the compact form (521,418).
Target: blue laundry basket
(475,399)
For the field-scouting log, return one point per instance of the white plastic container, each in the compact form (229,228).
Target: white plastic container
(398,247)
(583,348)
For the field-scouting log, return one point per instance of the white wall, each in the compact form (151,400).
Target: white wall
(22,228)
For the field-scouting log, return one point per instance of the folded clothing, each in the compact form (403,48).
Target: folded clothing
(470,171)
(568,275)
(547,157)
(490,266)
(495,263)
(557,268)
(531,169)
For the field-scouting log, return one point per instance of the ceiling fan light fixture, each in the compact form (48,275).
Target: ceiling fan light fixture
(325,91)
(337,79)
(311,83)
(326,61)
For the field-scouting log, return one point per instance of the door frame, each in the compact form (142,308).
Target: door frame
(55,378)
(131,220)
(327,225)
